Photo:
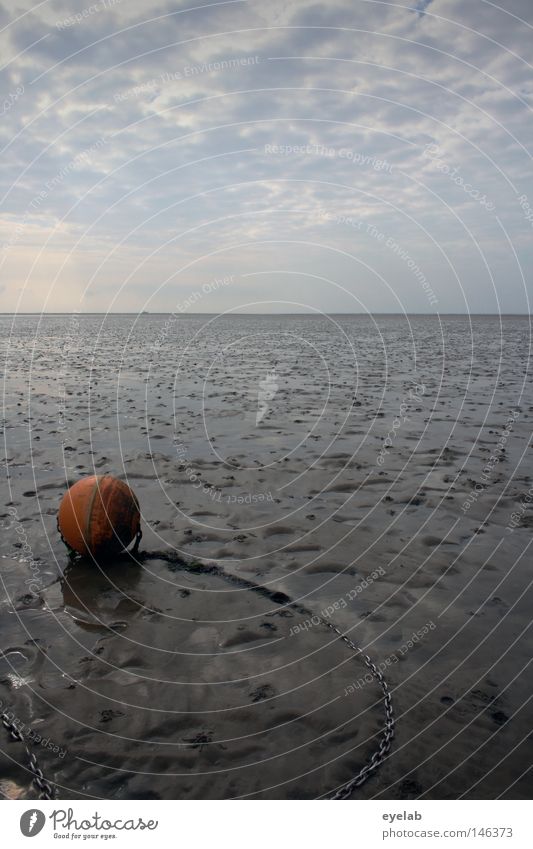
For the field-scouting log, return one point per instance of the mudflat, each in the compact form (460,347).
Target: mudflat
(372,472)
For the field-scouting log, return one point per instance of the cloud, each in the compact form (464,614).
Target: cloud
(422,5)
(148,144)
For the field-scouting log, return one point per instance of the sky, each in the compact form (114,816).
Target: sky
(266,156)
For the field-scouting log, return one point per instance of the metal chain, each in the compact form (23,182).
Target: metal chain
(387,734)
(46,790)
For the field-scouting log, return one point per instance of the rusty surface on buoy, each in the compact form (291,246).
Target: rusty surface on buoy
(99,516)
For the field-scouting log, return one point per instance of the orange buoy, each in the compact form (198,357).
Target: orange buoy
(99,516)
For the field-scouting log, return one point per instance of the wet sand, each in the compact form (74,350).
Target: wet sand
(322,461)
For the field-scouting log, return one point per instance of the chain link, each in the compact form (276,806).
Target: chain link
(46,791)
(387,734)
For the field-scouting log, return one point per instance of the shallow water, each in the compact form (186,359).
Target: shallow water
(326,458)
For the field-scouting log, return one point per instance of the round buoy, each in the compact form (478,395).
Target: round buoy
(99,516)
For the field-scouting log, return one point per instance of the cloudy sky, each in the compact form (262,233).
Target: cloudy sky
(345,156)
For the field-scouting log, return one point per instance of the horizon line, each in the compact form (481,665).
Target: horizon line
(310,314)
